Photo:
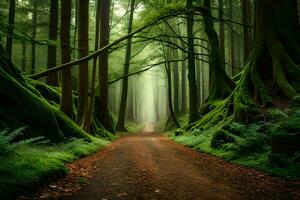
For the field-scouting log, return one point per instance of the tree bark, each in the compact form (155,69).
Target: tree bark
(122,113)
(193,101)
(83,73)
(11,24)
(66,103)
(104,117)
(273,68)
(222,32)
(52,79)
(34,24)
(247,31)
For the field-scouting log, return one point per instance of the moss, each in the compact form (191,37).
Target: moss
(30,166)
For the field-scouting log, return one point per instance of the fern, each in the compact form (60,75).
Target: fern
(8,145)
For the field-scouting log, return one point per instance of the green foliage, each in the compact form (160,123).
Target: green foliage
(28,165)
(247,144)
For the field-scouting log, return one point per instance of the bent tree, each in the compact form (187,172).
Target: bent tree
(273,68)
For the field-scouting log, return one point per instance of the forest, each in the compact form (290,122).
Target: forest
(149,99)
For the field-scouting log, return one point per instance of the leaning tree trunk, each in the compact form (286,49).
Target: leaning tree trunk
(273,68)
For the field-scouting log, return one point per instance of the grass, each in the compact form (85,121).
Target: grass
(29,165)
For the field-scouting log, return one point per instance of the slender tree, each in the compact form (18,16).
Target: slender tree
(83,74)
(104,116)
(52,79)
(193,109)
(34,24)
(122,113)
(247,30)
(66,102)
(222,32)
(11,24)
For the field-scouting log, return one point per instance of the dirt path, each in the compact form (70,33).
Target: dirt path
(148,166)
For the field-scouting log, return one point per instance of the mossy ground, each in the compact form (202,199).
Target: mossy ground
(245,144)
(31,165)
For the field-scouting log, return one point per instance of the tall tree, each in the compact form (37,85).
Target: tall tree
(11,24)
(66,102)
(193,101)
(52,78)
(122,113)
(104,117)
(221,85)
(273,67)
(247,30)
(83,74)
(222,31)
(34,24)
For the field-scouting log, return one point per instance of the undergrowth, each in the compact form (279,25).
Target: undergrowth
(26,164)
(246,144)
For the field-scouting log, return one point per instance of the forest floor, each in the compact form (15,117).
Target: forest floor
(147,165)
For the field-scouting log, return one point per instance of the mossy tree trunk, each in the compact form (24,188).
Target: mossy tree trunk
(22,105)
(221,85)
(273,68)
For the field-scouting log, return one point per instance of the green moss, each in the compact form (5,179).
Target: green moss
(29,166)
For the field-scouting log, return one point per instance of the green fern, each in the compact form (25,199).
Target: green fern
(8,145)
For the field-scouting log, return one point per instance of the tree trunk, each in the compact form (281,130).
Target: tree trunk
(183,82)
(273,68)
(222,32)
(247,31)
(175,78)
(220,84)
(104,117)
(34,24)
(193,109)
(66,103)
(83,73)
(52,79)
(11,24)
(89,117)
(24,52)
(122,113)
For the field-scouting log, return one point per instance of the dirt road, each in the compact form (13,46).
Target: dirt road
(148,166)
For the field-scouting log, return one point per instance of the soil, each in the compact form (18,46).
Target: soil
(148,166)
